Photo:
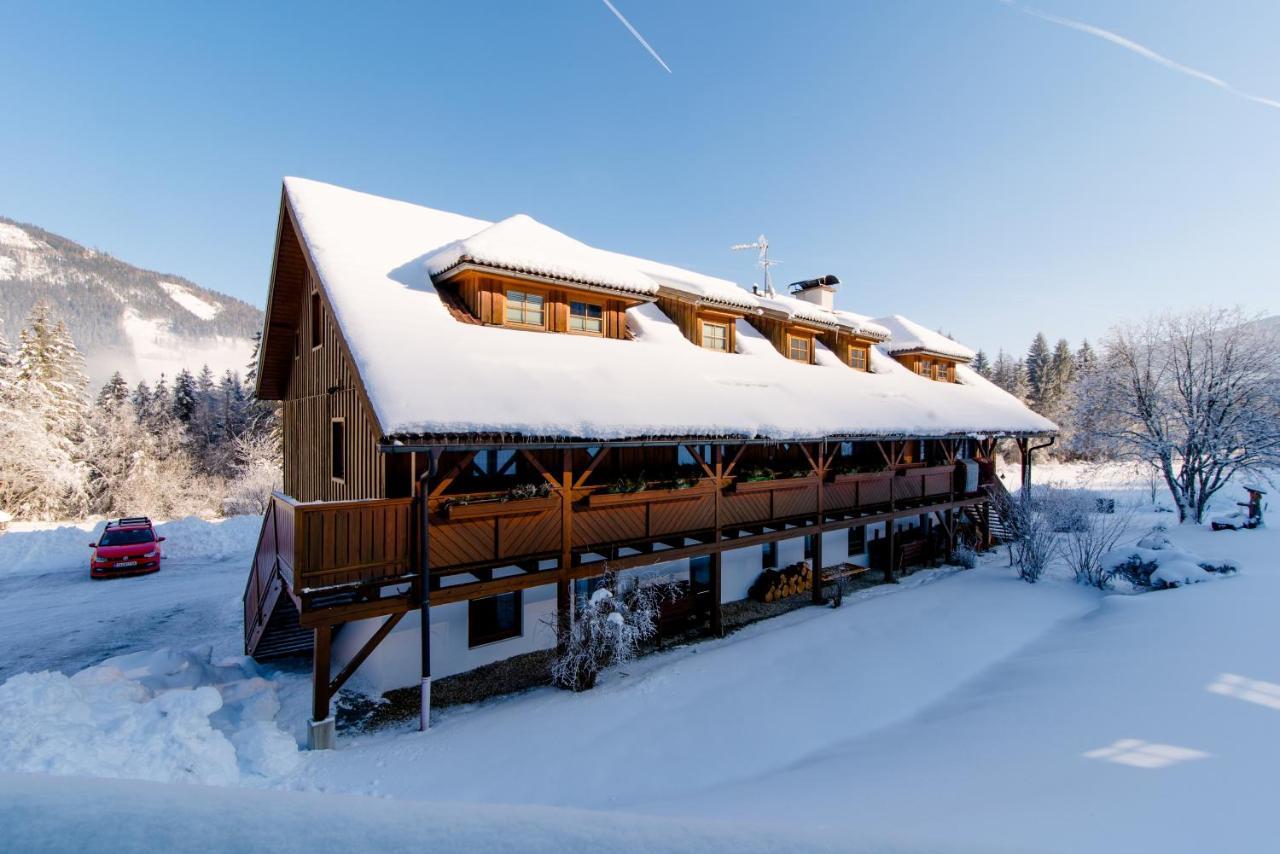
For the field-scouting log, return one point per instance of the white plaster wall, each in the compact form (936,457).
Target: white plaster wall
(790,551)
(739,568)
(835,545)
(395,663)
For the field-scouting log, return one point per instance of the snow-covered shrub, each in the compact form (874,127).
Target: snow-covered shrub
(1031,531)
(1220,567)
(608,629)
(1088,542)
(964,556)
(1133,569)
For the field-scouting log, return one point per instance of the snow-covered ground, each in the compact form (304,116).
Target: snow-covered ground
(960,710)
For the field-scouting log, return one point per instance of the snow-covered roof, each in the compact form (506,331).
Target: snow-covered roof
(862,325)
(907,335)
(427,373)
(522,244)
(798,309)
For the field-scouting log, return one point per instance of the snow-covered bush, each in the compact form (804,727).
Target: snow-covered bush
(1156,563)
(1031,529)
(608,629)
(965,556)
(1089,539)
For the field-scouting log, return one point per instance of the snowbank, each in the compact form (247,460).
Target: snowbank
(163,716)
(38,548)
(42,814)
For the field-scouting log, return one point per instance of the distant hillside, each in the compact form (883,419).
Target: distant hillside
(123,318)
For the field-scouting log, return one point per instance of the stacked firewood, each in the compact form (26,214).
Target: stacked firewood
(774,585)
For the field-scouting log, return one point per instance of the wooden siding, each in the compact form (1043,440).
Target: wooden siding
(777,331)
(911,360)
(842,342)
(688,317)
(484,295)
(322,387)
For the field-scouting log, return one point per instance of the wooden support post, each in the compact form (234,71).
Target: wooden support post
(820,469)
(564,603)
(951,534)
(717,612)
(889,576)
(320,731)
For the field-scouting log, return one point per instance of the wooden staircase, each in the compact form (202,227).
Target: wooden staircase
(283,637)
(990,512)
(271,627)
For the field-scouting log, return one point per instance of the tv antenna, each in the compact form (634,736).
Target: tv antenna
(762,245)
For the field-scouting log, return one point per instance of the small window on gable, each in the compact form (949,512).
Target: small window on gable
(317,321)
(858,358)
(715,336)
(798,348)
(495,618)
(338,449)
(586,317)
(524,308)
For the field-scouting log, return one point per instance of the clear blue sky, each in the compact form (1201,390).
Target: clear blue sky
(957,161)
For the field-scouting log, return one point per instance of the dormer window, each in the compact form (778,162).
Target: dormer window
(715,336)
(586,317)
(524,308)
(799,348)
(858,358)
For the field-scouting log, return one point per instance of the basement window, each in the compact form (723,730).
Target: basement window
(338,449)
(858,358)
(317,322)
(857,540)
(495,618)
(769,556)
(586,317)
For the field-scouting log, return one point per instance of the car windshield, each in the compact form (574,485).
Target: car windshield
(126,537)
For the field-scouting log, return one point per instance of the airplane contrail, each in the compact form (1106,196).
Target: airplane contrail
(1140,50)
(636,33)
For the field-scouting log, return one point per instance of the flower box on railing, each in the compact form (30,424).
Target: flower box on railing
(615,499)
(490,508)
(773,484)
(862,476)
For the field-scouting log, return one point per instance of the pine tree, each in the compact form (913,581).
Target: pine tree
(184,396)
(1037,370)
(45,424)
(141,400)
(982,365)
(1086,359)
(114,392)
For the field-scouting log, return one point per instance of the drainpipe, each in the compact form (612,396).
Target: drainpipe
(424,586)
(1026,464)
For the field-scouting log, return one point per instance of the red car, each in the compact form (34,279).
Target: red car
(128,547)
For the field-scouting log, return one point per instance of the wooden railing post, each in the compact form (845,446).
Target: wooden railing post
(564,602)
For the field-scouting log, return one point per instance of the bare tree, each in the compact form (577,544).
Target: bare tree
(1195,395)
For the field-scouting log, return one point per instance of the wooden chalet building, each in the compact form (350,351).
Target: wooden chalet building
(480,418)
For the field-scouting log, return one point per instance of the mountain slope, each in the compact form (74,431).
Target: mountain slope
(138,322)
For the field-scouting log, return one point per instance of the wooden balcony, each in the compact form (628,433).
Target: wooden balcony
(360,558)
